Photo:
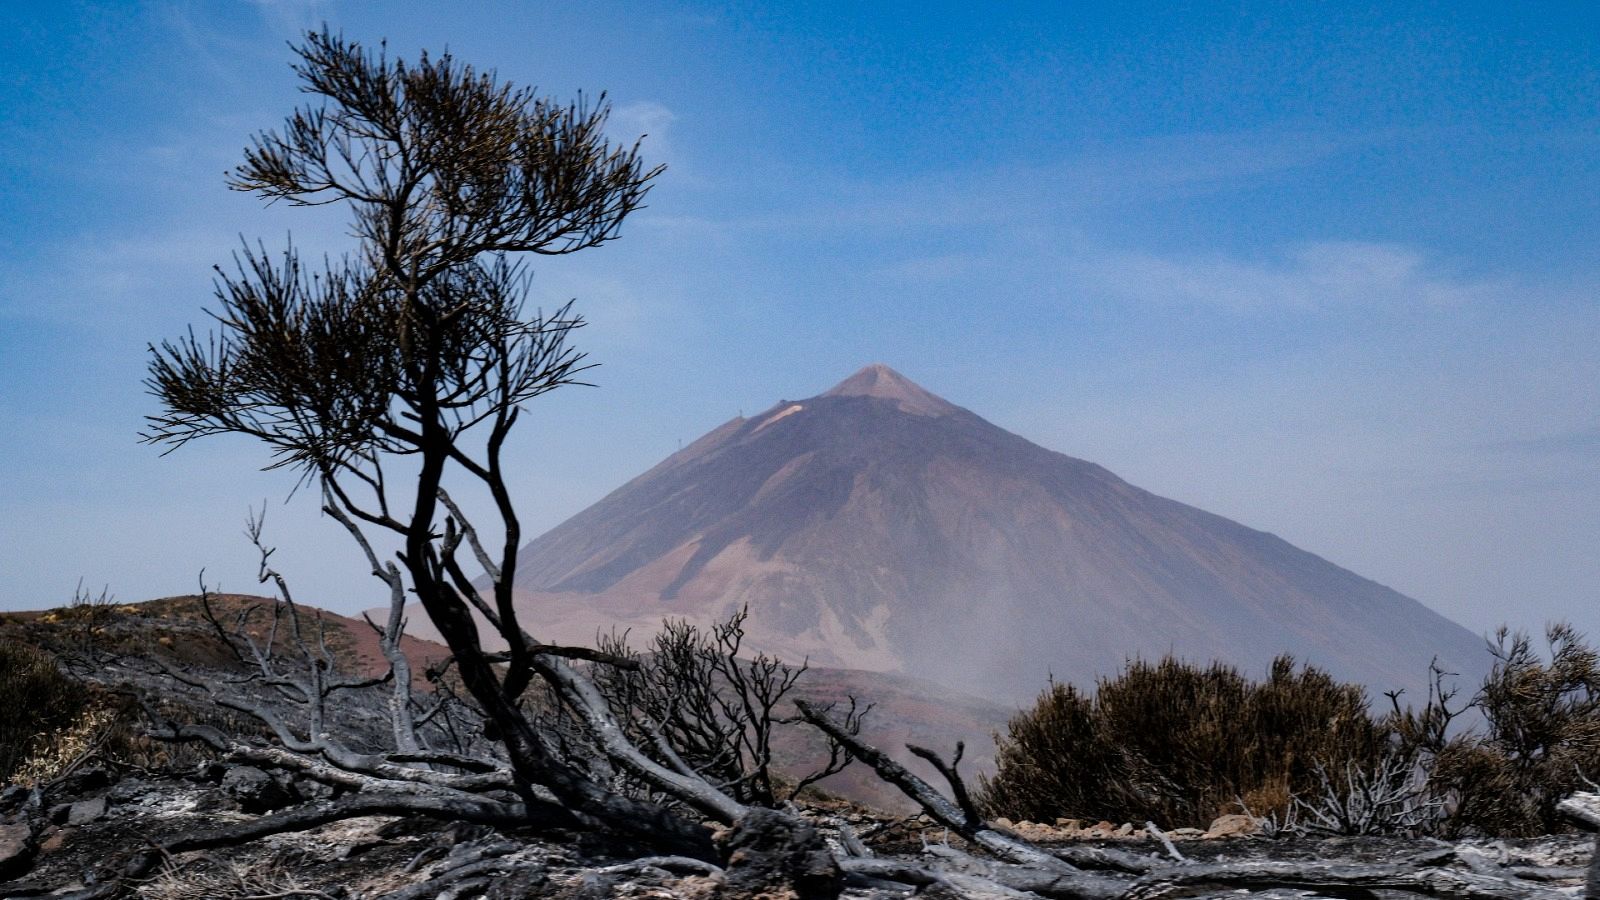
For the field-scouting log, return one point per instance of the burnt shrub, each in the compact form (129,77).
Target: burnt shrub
(693,700)
(1180,744)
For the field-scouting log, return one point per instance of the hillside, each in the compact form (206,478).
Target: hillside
(130,641)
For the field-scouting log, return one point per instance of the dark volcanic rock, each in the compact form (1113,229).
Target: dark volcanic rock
(85,811)
(255,791)
(14,796)
(129,789)
(773,856)
(16,849)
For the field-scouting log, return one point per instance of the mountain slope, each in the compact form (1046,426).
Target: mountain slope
(877,526)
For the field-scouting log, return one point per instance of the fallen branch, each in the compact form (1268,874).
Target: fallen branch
(1582,809)
(311,815)
(852,843)
(961,884)
(1029,879)
(964,822)
(475,869)
(1172,850)
(1454,884)
(1025,869)
(1106,858)
(676,865)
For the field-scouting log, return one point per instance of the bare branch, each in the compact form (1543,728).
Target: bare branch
(941,809)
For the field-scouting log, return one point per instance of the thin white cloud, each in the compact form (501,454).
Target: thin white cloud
(1301,278)
(104,282)
(1050,192)
(643,117)
(653,122)
(292,17)
(1304,277)
(934,269)
(1184,165)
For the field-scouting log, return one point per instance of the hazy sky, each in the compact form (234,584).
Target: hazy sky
(1330,270)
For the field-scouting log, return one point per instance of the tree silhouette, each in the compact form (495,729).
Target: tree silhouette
(416,355)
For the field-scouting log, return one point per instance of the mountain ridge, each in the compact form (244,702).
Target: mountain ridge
(878,526)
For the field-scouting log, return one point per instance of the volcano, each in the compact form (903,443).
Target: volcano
(877,526)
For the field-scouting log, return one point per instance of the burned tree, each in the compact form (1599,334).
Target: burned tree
(384,376)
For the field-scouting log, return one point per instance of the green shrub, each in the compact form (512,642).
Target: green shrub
(51,703)
(1179,744)
(1056,761)
(1539,741)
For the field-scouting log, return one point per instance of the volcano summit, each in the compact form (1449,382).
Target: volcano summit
(877,526)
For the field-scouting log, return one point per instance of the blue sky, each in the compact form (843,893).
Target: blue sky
(1327,269)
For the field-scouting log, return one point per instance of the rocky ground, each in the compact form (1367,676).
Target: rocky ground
(62,841)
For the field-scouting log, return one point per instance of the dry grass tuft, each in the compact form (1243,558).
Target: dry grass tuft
(209,878)
(57,753)
(55,703)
